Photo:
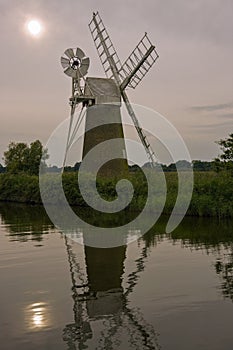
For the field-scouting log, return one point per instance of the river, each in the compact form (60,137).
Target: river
(165,291)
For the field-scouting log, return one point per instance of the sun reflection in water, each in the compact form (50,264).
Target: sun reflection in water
(37,316)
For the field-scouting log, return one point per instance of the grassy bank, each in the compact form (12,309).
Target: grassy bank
(212,195)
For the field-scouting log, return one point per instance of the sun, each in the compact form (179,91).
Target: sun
(34,27)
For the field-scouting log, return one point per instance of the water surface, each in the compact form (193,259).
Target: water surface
(163,292)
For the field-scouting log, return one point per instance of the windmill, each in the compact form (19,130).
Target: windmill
(103,318)
(102,96)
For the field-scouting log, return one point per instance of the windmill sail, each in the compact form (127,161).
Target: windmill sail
(130,73)
(104,46)
(139,63)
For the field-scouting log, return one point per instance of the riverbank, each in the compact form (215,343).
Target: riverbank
(212,194)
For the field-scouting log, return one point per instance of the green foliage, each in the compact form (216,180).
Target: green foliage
(225,160)
(16,157)
(212,195)
(199,165)
(2,168)
(36,153)
(21,158)
(19,188)
(226,146)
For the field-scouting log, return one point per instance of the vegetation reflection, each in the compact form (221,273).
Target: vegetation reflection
(24,222)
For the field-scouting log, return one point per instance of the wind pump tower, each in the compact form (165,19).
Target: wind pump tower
(100,98)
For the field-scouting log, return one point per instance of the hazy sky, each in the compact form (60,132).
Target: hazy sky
(191,84)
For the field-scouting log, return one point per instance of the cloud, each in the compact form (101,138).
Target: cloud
(211,108)
(212,125)
(227,116)
(209,20)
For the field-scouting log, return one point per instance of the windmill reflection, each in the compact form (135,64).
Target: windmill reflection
(224,268)
(102,316)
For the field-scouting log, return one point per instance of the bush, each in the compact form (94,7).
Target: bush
(212,194)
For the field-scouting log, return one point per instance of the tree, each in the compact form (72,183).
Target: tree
(2,168)
(183,165)
(23,158)
(16,157)
(226,147)
(225,160)
(200,165)
(36,154)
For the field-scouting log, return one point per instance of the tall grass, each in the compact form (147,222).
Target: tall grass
(212,194)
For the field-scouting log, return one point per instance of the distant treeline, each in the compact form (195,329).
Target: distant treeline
(21,157)
(196,165)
